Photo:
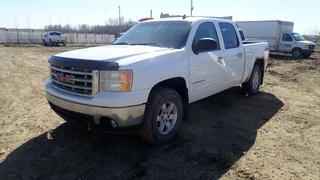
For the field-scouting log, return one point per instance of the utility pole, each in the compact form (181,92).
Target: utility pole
(151,13)
(119,19)
(191,7)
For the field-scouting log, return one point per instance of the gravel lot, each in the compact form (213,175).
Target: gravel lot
(273,135)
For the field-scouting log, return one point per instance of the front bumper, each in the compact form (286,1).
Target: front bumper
(308,51)
(123,116)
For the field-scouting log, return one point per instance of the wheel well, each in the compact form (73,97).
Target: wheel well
(178,84)
(296,48)
(260,63)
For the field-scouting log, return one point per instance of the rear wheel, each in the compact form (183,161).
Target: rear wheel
(163,116)
(253,85)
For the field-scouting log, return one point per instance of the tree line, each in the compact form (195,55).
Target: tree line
(110,27)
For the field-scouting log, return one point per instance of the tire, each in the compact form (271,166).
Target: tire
(163,116)
(44,43)
(252,87)
(297,53)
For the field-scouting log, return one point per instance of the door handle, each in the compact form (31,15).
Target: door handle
(239,54)
(219,60)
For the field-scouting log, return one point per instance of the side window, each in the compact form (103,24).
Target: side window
(206,30)
(229,35)
(286,37)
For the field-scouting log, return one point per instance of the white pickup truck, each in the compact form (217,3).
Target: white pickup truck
(53,38)
(147,78)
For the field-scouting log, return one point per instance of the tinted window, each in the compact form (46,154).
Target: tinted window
(171,34)
(286,37)
(243,38)
(206,30)
(229,35)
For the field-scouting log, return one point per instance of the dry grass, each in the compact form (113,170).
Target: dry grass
(274,135)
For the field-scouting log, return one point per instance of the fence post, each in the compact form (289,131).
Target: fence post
(6,36)
(18,36)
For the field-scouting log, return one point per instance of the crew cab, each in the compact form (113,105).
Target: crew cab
(53,38)
(147,78)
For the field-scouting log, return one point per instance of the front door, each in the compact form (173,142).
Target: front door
(286,43)
(207,69)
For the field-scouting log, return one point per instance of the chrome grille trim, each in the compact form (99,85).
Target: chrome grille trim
(82,82)
(72,86)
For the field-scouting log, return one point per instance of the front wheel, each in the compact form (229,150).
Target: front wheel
(253,85)
(163,116)
(297,53)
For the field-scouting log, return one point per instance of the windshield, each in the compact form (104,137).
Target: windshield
(297,37)
(169,34)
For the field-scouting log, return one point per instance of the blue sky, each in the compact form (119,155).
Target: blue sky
(38,13)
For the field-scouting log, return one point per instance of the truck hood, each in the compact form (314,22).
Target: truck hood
(104,57)
(307,42)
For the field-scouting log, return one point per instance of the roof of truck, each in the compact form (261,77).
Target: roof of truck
(189,19)
(278,21)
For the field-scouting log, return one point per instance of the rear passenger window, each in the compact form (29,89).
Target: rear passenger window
(229,35)
(206,30)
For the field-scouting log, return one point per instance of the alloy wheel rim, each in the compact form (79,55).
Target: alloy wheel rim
(255,80)
(167,117)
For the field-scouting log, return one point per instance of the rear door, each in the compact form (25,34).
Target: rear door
(233,53)
(286,42)
(207,71)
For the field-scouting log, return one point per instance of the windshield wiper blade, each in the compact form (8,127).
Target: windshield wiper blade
(148,44)
(121,43)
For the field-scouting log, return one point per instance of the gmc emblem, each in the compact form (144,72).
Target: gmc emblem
(65,78)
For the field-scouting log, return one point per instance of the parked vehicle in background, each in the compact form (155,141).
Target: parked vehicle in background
(147,78)
(279,35)
(53,38)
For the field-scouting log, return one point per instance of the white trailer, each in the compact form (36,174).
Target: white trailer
(279,35)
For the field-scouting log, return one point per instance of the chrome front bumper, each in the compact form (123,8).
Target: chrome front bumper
(124,116)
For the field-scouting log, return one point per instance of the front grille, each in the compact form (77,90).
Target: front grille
(78,81)
(312,46)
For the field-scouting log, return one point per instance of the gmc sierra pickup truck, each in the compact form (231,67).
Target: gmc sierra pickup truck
(147,78)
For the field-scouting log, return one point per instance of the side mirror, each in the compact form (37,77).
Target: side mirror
(205,45)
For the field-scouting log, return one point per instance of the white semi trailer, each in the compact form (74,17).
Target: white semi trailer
(279,35)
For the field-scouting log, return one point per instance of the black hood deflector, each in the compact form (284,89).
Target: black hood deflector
(84,63)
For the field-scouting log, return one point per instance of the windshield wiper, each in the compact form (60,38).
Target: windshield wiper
(121,43)
(148,44)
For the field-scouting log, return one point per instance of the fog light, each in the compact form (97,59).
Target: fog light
(113,123)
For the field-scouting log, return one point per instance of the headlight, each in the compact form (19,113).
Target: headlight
(306,46)
(116,81)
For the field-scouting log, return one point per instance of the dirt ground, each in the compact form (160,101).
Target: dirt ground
(273,135)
